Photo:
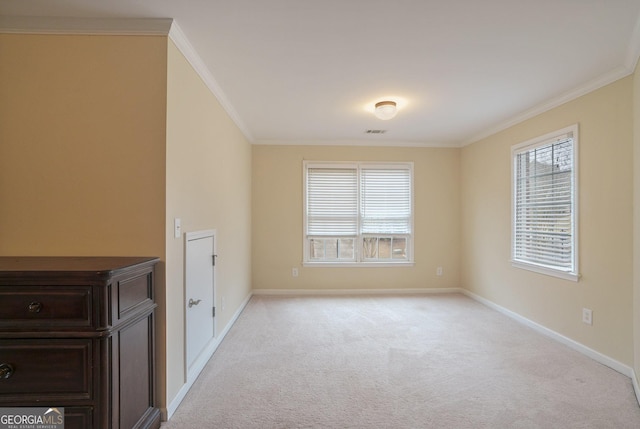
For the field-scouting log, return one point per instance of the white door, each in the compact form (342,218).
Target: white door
(199,293)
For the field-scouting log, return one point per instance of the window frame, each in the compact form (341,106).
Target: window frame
(529,145)
(358,260)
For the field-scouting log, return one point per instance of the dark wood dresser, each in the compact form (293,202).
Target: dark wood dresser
(78,333)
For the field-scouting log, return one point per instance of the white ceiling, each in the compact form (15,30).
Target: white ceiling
(303,71)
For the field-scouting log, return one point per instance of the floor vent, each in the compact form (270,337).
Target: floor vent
(376,131)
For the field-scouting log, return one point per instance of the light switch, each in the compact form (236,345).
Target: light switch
(177,228)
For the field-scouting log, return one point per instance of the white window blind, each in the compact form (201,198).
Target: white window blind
(544,204)
(358,212)
(385,205)
(332,201)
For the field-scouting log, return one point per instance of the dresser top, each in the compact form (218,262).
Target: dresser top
(94,266)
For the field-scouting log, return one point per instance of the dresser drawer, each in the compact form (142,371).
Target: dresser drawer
(78,417)
(132,294)
(48,307)
(78,333)
(48,370)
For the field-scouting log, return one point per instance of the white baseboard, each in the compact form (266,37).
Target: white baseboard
(307,292)
(200,363)
(636,386)
(197,366)
(595,355)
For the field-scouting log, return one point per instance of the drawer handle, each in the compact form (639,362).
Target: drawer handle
(6,370)
(35,307)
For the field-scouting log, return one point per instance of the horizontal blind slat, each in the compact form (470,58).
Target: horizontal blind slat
(332,207)
(385,201)
(543,204)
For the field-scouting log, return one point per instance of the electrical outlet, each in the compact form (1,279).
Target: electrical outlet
(439,271)
(224,304)
(294,272)
(587,316)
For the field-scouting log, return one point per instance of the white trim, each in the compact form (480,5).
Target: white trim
(358,260)
(126,27)
(356,142)
(189,52)
(571,131)
(311,264)
(633,51)
(192,372)
(168,26)
(307,292)
(636,386)
(173,406)
(195,235)
(548,271)
(599,357)
(591,86)
(581,348)
(88,26)
(632,61)
(624,70)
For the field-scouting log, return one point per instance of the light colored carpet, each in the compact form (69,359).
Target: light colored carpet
(427,361)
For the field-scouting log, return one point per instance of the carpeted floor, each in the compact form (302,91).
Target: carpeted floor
(425,361)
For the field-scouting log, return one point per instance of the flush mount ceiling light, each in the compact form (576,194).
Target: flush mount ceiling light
(385,110)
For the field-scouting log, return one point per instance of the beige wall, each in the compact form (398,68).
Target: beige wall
(208,187)
(103,141)
(636,222)
(82,148)
(277,219)
(88,166)
(605,224)
(82,145)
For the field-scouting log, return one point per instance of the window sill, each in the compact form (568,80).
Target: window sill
(541,269)
(359,264)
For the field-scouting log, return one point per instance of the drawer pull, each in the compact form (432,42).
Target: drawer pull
(35,307)
(6,370)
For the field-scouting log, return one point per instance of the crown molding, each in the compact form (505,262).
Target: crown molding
(168,27)
(88,26)
(125,27)
(189,52)
(591,86)
(631,60)
(633,52)
(370,143)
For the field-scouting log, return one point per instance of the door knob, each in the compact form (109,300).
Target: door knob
(192,302)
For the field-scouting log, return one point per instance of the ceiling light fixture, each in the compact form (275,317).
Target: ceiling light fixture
(386,110)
